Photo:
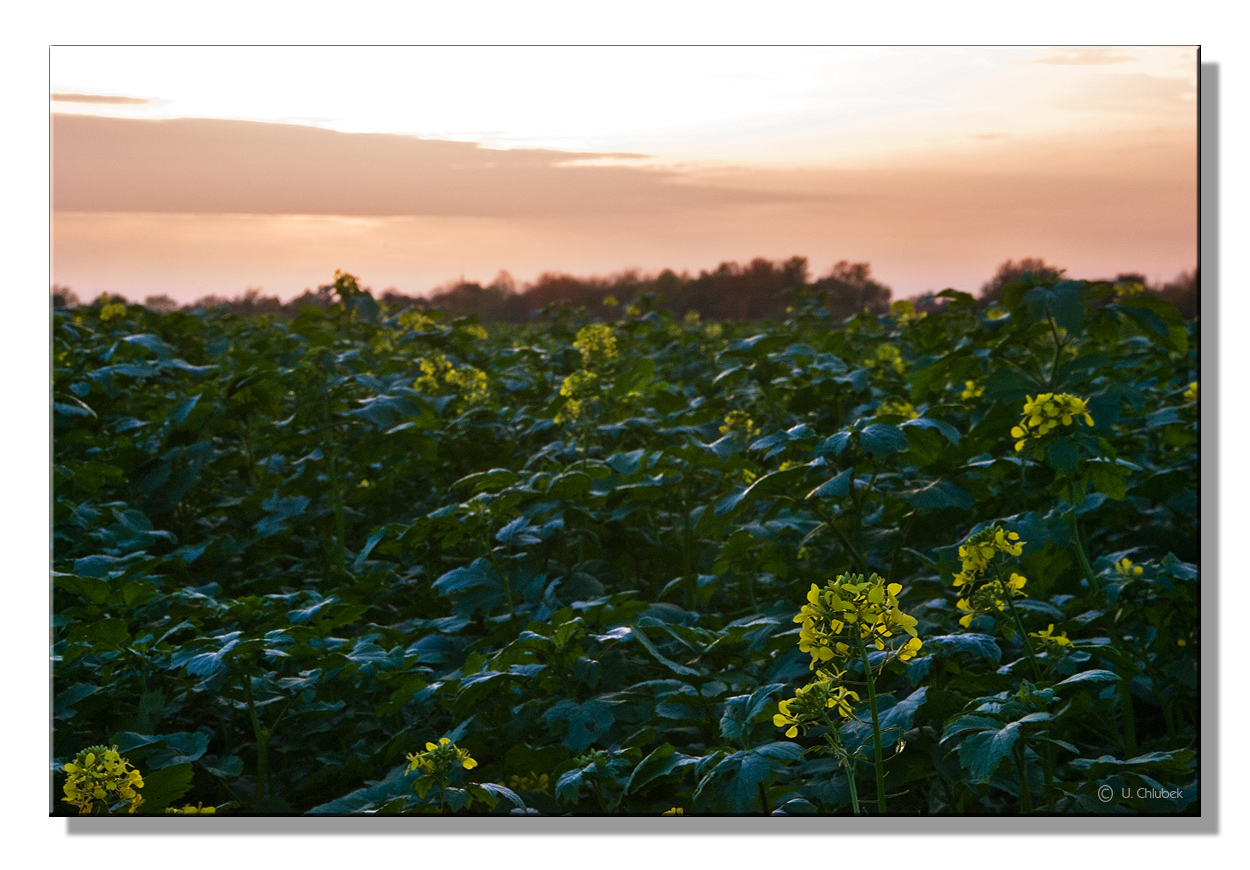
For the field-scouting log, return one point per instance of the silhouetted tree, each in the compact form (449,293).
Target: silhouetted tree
(63,297)
(160,302)
(1182,291)
(851,289)
(1010,270)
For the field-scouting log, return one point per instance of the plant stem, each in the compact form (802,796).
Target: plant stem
(847,762)
(1080,548)
(1026,796)
(1024,635)
(876,722)
(1049,752)
(262,742)
(850,786)
(1125,690)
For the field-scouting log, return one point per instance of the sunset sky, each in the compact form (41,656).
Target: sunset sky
(198,170)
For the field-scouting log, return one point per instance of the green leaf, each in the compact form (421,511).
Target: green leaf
(882,439)
(1094,676)
(776,483)
(981,645)
(982,752)
(1062,455)
(163,787)
(661,762)
(838,486)
(937,494)
(1109,478)
(487,481)
(655,654)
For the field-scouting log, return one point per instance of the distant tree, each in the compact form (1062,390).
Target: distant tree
(469,297)
(851,289)
(1010,270)
(1182,291)
(160,302)
(63,297)
(212,300)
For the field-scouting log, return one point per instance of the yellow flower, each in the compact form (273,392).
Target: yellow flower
(675,811)
(1126,569)
(972,391)
(871,606)
(904,310)
(1049,638)
(809,703)
(596,343)
(112,311)
(439,759)
(739,421)
(896,408)
(610,302)
(691,319)
(529,782)
(1191,392)
(437,372)
(1046,413)
(99,777)
(417,320)
(198,810)
(888,356)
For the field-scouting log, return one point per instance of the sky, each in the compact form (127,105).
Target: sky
(208,170)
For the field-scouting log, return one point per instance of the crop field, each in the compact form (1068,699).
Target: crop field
(367,561)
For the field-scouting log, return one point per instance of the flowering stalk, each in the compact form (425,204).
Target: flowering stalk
(262,742)
(877,762)
(848,763)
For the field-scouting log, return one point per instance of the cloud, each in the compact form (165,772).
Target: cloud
(201,165)
(102,98)
(1090,56)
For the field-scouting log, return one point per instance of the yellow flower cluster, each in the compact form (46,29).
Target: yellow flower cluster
(739,421)
(418,321)
(1126,569)
(976,556)
(972,391)
(980,549)
(596,343)
(578,388)
(713,330)
(1191,392)
(888,356)
(468,381)
(99,777)
(610,302)
(198,810)
(904,310)
(112,310)
(809,703)
(990,596)
(1129,288)
(871,606)
(530,781)
(1047,412)
(899,408)
(440,758)
(675,811)
(475,331)
(691,319)
(1049,639)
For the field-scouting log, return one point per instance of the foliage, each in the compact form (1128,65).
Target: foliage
(289,554)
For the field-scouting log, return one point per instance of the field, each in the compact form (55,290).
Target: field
(368,561)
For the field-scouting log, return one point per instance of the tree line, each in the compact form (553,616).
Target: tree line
(759,290)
